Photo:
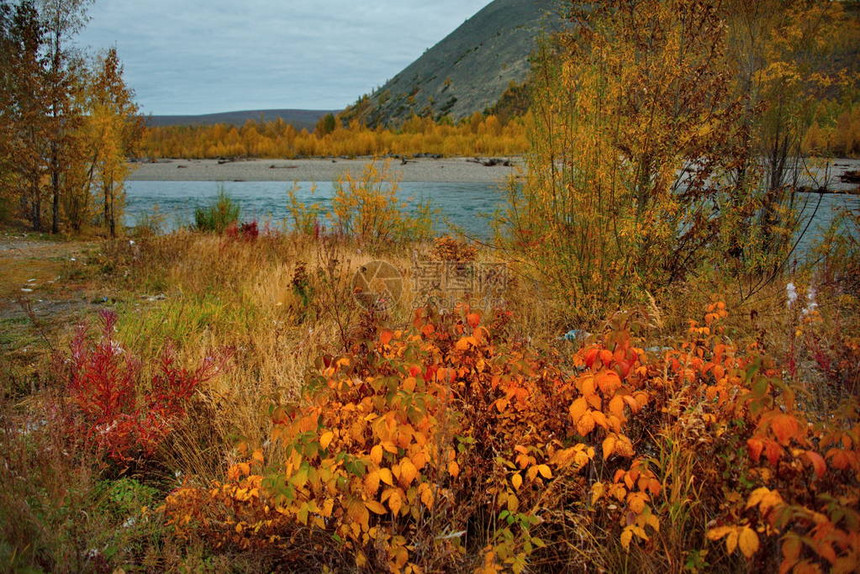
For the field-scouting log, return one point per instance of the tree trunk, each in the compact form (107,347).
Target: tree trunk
(55,188)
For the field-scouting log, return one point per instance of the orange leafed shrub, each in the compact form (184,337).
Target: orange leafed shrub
(445,446)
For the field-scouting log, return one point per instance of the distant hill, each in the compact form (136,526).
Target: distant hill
(299,119)
(466,72)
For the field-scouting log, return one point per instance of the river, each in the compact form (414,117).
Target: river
(465,205)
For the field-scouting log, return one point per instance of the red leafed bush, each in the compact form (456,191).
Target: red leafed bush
(112,409)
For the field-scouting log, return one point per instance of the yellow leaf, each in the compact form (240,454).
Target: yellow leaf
(376,454)
(545,471)
(408,472)
(756,496)
(517,481)
(626,537)
(386,476)
(258,456)
(326,439)
(748,541)
(371,483)
(427,495)
(395,500)
(732,540)
(719,532)
(596,492)
(375,507)
(357,513)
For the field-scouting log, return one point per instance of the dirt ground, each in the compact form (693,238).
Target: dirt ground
(44,290)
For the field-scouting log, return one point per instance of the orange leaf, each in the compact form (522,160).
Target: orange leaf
(385,337)
(608,446)
(605,357)
(754,448)
(585,384)
(616,407)
(784,427)
(357,512)
(453,468)
(585,424)
(732,540)
(607,381)
(473,319)
(597,490)
(577,409)
(426,495)
(326,439)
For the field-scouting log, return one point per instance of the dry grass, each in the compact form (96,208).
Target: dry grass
(276,305)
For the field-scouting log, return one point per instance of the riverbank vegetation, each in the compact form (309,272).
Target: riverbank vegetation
(617,383)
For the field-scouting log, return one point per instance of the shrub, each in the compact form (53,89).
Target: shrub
(367,210)
(446,447)
(104,383)
(218,216)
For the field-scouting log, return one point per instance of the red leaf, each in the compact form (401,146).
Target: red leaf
(818,463)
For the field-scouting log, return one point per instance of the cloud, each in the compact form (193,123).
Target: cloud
(202,56)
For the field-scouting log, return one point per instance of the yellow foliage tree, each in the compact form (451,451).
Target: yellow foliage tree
(633,122)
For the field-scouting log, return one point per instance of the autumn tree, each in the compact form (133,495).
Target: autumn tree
(633,122)
(62,20)
(779,52)
(114,129)
(6,131)
(25,111)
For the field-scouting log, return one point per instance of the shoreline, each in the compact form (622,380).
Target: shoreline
(444,170)
(420,169)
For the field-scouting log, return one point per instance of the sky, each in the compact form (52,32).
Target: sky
(188,57)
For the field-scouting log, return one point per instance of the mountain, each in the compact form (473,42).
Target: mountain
(466,72)
(298,118)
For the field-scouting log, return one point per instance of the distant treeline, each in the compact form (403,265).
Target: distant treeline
(477,135)
(834,132)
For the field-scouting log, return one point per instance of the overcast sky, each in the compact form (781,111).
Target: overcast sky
(207,56)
